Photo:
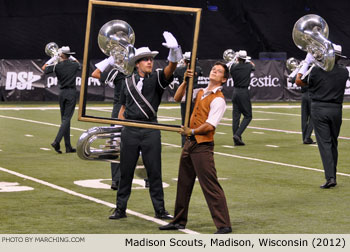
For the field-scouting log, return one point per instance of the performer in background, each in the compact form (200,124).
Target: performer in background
(241,104)
(66,70)
(197,157)
(140,98)
(327,94)
(113,78)
(179,74)
(306,122)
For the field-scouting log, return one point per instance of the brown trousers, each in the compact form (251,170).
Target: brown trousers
(198,160)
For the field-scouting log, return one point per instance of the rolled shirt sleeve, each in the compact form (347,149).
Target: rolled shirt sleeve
(217,110)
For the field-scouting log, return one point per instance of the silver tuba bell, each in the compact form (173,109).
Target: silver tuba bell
(88,147)
(103,144)
(229,55)
(51,49)
(292,64)
(310,34)
(116,38)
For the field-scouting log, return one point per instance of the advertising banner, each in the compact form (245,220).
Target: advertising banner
(24,80)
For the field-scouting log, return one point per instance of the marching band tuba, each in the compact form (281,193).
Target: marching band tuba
(51,50)
(86,149)
(310,34)
(292,64)
(116,38)
(229,55)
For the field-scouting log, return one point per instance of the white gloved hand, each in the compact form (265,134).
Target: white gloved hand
(175,52)
(303,68)
(309,58)
(53,60)
(294,73)
(72,58)
(105,63)
(170,41)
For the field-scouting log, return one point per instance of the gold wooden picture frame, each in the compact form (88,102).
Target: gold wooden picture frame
(82,116)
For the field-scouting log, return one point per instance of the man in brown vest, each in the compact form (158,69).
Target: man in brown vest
(197,158)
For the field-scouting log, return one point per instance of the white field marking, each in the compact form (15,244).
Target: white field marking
(289,114)
(218,153)
(220,133)
(27,135)
(146,217)
(13,187)
(38,122)
(276,113)
(45,149)
(171,145)
(97,184)
(258,132)
(0,150)
(273,146)
(278,130)
(267,161)
(262,119)
(166,119)
(109,109)
(228,146)
(176,179)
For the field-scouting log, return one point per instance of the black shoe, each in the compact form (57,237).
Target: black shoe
(172,226)
(57,147)
(164,215)
(71,150)
(330,183)
(224,230)
(114,185)
(238,141)
(146,183)
(309,141)
(117,214)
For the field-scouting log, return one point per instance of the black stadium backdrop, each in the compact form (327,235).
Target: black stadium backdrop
(262,28)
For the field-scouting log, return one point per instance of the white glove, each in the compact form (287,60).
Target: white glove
(170,41)
(309,58)
(105,63)
(72,58)
(175,52)
(292,74)
(52,60)
(303,68)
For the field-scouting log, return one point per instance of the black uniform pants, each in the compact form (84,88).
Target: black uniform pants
(115,170)
(327,119)
(306,122)
(197,160)
(67,101)
(241,105)
(134,140)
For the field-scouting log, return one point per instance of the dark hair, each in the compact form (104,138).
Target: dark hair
(226,73)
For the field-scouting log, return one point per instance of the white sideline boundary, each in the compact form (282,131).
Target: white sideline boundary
(60,188)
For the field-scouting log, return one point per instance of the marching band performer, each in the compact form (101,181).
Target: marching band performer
(197,159)
(327,94)
(65,70)
(140,98)
(240,73)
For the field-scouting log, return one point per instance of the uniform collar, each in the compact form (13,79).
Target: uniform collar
(212,91)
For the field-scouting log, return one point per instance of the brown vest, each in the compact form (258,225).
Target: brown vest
(200,114)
